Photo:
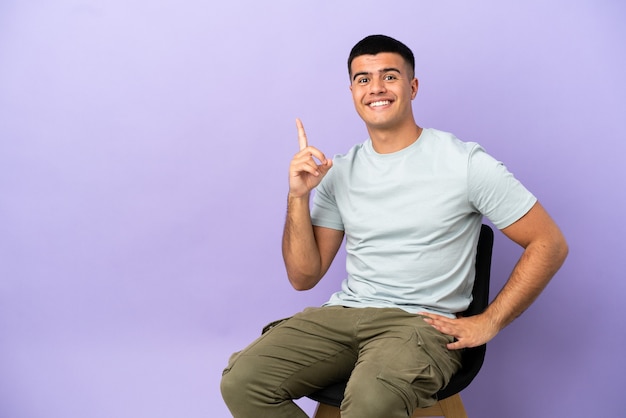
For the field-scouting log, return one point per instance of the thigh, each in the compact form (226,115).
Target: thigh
(402,360)
(300,355)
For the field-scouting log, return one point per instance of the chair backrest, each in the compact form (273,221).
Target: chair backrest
(472,358)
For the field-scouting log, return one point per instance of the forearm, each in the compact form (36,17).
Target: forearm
(300,251)
(534,270)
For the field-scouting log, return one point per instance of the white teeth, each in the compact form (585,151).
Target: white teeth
(379,103)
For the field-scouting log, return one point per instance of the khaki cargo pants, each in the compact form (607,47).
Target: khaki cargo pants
(395,362)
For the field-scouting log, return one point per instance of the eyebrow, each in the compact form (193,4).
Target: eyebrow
(384,70)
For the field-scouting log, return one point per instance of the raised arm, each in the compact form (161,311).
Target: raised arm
(308,250)
(545,251)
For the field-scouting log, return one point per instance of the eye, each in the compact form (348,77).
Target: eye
(390,77)
(362,80)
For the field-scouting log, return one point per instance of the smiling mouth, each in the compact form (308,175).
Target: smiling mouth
(380,103)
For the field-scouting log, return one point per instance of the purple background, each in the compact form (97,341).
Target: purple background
(144,148)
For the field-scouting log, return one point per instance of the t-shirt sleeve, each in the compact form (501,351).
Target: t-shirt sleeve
(325,212)
(495,192)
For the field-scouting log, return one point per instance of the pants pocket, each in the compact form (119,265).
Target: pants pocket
(416,386)
(415,373)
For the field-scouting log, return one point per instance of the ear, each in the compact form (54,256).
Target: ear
(414,87)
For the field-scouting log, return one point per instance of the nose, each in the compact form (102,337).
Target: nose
(377,86)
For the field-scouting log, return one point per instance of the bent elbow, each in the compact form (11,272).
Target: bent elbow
(561,246)
(563,250)
(301,282)
(557,252)
(300,287)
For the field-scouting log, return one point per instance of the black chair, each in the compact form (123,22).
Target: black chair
(449,404)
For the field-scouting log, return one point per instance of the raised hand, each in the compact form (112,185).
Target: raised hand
(304,171)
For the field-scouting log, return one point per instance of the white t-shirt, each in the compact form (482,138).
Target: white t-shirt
(412,220)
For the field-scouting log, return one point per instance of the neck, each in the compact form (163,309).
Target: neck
(388,141)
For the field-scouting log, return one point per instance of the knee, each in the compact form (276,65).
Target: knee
(230,388)
(246,382)
(372,398)
(237,380)
(389,394)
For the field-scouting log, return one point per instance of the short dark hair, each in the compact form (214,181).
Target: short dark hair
(375,44)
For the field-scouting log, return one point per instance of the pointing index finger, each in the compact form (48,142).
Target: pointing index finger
(301,135)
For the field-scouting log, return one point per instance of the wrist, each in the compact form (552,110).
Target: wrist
(298,196)
(494,318)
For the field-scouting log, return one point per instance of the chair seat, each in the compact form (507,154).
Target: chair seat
(451,407)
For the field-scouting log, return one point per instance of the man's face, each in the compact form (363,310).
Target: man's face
(383,87)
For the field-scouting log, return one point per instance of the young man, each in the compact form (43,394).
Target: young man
(410,202)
